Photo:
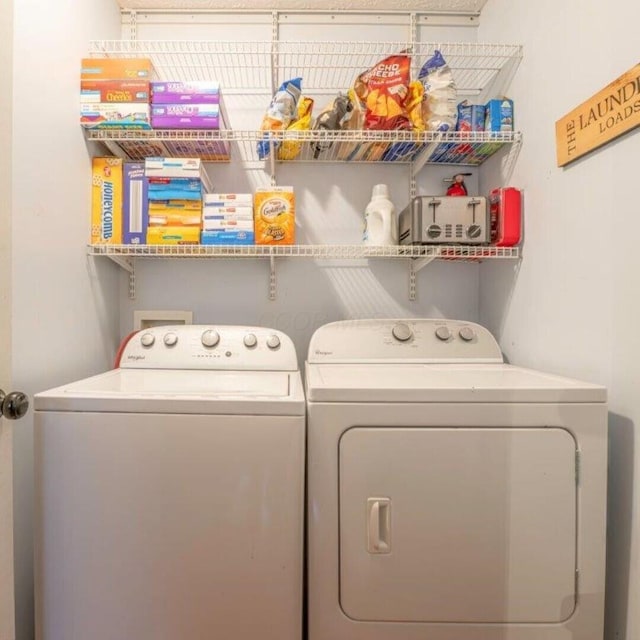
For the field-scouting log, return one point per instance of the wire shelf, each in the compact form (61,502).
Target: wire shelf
(308,146)
(337,251)
(325,66)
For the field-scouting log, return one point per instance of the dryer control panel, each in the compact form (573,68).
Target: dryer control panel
(209,347)
(420,340)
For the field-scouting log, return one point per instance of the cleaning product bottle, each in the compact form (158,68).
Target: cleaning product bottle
(380,219)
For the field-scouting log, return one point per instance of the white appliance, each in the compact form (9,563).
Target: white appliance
(170,492)
(450,496)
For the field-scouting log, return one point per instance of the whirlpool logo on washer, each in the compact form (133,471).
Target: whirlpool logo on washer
(135,358)
(323,353)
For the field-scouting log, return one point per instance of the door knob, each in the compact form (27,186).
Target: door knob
(13,405)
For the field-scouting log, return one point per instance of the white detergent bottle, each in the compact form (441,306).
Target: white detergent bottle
(380,219)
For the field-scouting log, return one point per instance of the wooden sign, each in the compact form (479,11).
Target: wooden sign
(607,115)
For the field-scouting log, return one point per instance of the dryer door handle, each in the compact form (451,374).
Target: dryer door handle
(379,525)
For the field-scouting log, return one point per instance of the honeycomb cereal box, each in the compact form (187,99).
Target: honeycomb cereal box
(106,201)
(274,213)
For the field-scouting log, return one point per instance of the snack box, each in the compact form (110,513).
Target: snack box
(274,215)
(118,115)
(227,225)
(228,237)
(173,235)
(92,91)
(499,115)
(116,69)
(185,116)
(174,168)
(470,117)
(135,204)
(227,213)
(106,201)
(196,92)
(228,199)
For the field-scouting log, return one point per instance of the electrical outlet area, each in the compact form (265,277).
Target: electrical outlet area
(157,318)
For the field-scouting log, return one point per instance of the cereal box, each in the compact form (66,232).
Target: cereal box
(274,211)
(106,201)
(116,69)
(135,204)
(95,91)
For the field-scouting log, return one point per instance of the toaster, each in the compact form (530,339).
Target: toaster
(445,219)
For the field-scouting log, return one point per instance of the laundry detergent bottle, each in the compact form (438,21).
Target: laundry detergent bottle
(380,219)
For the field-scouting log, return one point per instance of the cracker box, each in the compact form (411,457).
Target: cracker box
(106,201)
(228,237)
(93,91)
(499,115)
(173,235)
(135,204)
(274,214)
(195,92)
(116,69)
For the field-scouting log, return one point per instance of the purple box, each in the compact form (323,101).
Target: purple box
(198,91)
(135,204)
(188,116)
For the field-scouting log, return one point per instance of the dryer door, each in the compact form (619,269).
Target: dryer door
(458,525)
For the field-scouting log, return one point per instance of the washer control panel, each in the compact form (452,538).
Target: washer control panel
(404,340)
(209,347)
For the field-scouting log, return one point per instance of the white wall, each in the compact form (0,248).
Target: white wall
(572,305)
(64,317)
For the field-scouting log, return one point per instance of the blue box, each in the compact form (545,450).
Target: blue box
(135,204)
(499,115)
(228,237)
(471,117)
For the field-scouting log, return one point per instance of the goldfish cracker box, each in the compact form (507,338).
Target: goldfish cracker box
(106,201)
(274,215)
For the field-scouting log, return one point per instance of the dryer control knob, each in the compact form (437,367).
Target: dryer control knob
(250,340)
(147,339)
(273,342)
(443,333)
(210,338)
(467,334)
(402,332)
(170,339)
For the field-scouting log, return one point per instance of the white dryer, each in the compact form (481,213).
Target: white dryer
(450,496)
(170,492)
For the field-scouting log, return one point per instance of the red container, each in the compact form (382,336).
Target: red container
(505,210)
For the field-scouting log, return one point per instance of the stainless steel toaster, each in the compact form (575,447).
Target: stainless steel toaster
(445,219)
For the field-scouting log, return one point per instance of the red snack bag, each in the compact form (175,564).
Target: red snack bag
(384,89)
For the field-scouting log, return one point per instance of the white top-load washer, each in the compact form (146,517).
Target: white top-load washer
(170,492)
(451,496)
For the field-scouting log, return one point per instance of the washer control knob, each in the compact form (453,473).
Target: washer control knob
(147,339)
(210,338)
(402,332)
(443,333)
(273,342)
(250,340)
(467,334)
(170,339)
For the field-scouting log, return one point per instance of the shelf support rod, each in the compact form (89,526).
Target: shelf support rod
(272,277)
(129,266)
(415,265)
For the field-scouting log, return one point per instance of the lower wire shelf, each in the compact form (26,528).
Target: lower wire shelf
(418,256)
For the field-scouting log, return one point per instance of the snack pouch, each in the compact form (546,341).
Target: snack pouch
(440,104)
(280,113)
(290,149)
(384,90)
(331,118)
(403,150)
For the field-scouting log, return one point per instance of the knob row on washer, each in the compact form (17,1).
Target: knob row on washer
(209,338)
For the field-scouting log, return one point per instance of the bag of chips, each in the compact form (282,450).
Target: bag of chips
(280,113)
(290,149)
(441,96)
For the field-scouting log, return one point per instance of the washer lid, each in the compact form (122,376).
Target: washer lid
(180,391)
(443,383)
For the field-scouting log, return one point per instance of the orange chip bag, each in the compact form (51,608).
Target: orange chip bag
(384,90)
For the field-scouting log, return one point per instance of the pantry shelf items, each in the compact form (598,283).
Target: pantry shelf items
(417,256)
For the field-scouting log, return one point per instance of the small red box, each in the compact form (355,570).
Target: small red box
(505,210)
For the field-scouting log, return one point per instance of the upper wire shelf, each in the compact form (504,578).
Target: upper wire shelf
(479,69)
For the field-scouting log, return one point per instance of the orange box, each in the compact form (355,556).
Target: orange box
(116,69)
(97,91)
(274,215)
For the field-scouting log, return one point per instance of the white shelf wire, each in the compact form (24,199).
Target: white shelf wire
(459,148)
(328,251)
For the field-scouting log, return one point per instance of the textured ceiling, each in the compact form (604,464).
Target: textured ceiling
(425,6)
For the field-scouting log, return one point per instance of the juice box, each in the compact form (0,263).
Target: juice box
(106,201)
(274,212)
(499,115)
(116,69)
